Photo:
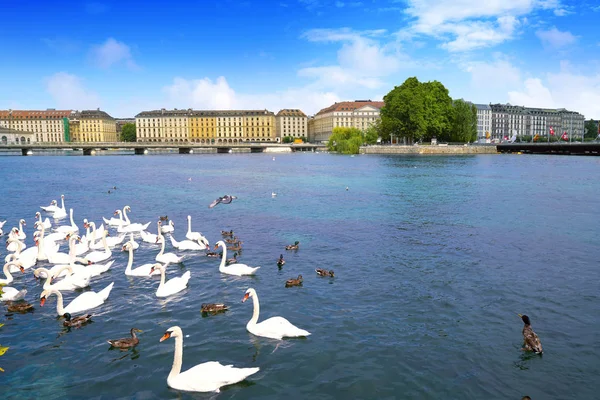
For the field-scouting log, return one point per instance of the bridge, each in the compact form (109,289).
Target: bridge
(89,148)
(579,149)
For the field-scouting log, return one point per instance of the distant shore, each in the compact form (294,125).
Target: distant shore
(426,149)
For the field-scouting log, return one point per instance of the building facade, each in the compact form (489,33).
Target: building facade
(291,123)
(203,126)
(13,136)
(49,126)
(536,123)
(93,126)
(358,114)
(484,121)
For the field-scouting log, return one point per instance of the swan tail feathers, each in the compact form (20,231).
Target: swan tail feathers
(21,294)
(174,242)
(104,293)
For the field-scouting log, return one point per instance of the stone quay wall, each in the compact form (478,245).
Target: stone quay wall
(440,150)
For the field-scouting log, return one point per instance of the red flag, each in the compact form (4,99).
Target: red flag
(565,136)
(552,131)
(505,137)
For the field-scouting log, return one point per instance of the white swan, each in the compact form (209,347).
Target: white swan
(72,281)
(65,258)
(91,235)
(91,270)
(20,233)
(187,244)
(272,328)
(143,270)
(60,212)
(128,226)
(173,285)
(132,241)
(10,293)
(83,302)
(46,223)
(6,269)
(197,236)
(45,246)
(206,377)
(51,208)
(13,236)
(80,248)
(97,256)
(151,237)
(233,269)
(27,258)
(170,228)
(72,228)
(166,257)
(115,221)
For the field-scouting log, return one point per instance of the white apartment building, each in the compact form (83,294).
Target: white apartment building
(291,122)
(50,126)
(484,121)
(358,114)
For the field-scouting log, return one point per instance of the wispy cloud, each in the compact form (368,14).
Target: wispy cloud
(62,45)
(112,52)
(67,91)
(556,39)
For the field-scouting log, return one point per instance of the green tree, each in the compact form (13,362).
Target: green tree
(417,111)
(128,133)
(345,140)
(373,133)
(464,122)
(591,129)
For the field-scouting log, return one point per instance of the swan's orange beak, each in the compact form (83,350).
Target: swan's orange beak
(42,301)
(165,336)
(151,271)
(246,296)
(22,269)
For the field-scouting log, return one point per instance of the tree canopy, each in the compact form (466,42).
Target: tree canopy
(348,140)
(591,129)
(128,133)
(464,122)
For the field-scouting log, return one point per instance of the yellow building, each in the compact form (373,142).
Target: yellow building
(358,114)
(237,126)
(163,126)
(95,126)
(202,126)
(48,126)
(75,129)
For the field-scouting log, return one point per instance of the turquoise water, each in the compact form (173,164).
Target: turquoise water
(433,256)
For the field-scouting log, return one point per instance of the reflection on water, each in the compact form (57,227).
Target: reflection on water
(431,265)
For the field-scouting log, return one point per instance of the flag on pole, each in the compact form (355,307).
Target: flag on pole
(552,131)
(565,136)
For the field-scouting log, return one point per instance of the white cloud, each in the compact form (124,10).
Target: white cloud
(499,74)
(68,92)
(112,52)
(555,39)
(464,25)
(218,95)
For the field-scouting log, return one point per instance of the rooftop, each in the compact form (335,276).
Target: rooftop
(290,112)
(351,106)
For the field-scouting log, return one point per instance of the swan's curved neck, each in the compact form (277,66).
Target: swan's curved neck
(162,246)
(41,255)
(59,302)
(9,277)
(224,258)
(163,277)
(130,262)
(124,215)
(72,240)
(254,318)
(20,226)
(71,217)
(104,241)
(62,202)
(178,359)
(189,225)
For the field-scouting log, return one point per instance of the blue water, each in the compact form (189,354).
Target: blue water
(433,257)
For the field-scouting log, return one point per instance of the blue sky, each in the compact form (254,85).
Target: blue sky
(125,57)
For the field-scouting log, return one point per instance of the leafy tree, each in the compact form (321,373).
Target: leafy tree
(372,133)
(287,139)
(128,133)
(345,140)
(438,110)
(591,129)
(464,122)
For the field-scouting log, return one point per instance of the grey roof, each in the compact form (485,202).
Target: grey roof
(483,106)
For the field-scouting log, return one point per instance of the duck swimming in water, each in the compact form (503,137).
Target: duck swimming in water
(280,261)
(126,343)
(213,308)
(531,341)
(324,272)
(77,321)
(292,246)
(294,282)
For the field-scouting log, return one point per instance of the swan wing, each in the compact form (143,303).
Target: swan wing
(239,269)
(10,293)
(278,327)
(85,301)
(209,377)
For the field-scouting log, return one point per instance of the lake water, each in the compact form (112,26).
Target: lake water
(433,259)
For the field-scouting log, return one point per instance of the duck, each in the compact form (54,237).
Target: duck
(169,228)
(126,343)
(173,285)
(213,308)
(236,247)
(233,269)
(76,321)
(234,240)
(19,306)
(85,301)
(294,282)
(280,261)
(531,341)
(292,246)
(206,377)
(166,257)
(324,272)
(272,328)
(143,270)
(232,260)
(187,244)
(227,233)
(165,218)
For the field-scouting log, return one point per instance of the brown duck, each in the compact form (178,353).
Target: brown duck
(294,282)
(531,341)
(234,240)
(324,272)
(236,247)
(77,321)
(18,306)
(126,343)
(213,308)
(227,233)
(292,246)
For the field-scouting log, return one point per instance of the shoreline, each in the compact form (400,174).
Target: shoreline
(429,150)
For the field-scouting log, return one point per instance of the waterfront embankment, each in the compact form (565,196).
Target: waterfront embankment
(441,150)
